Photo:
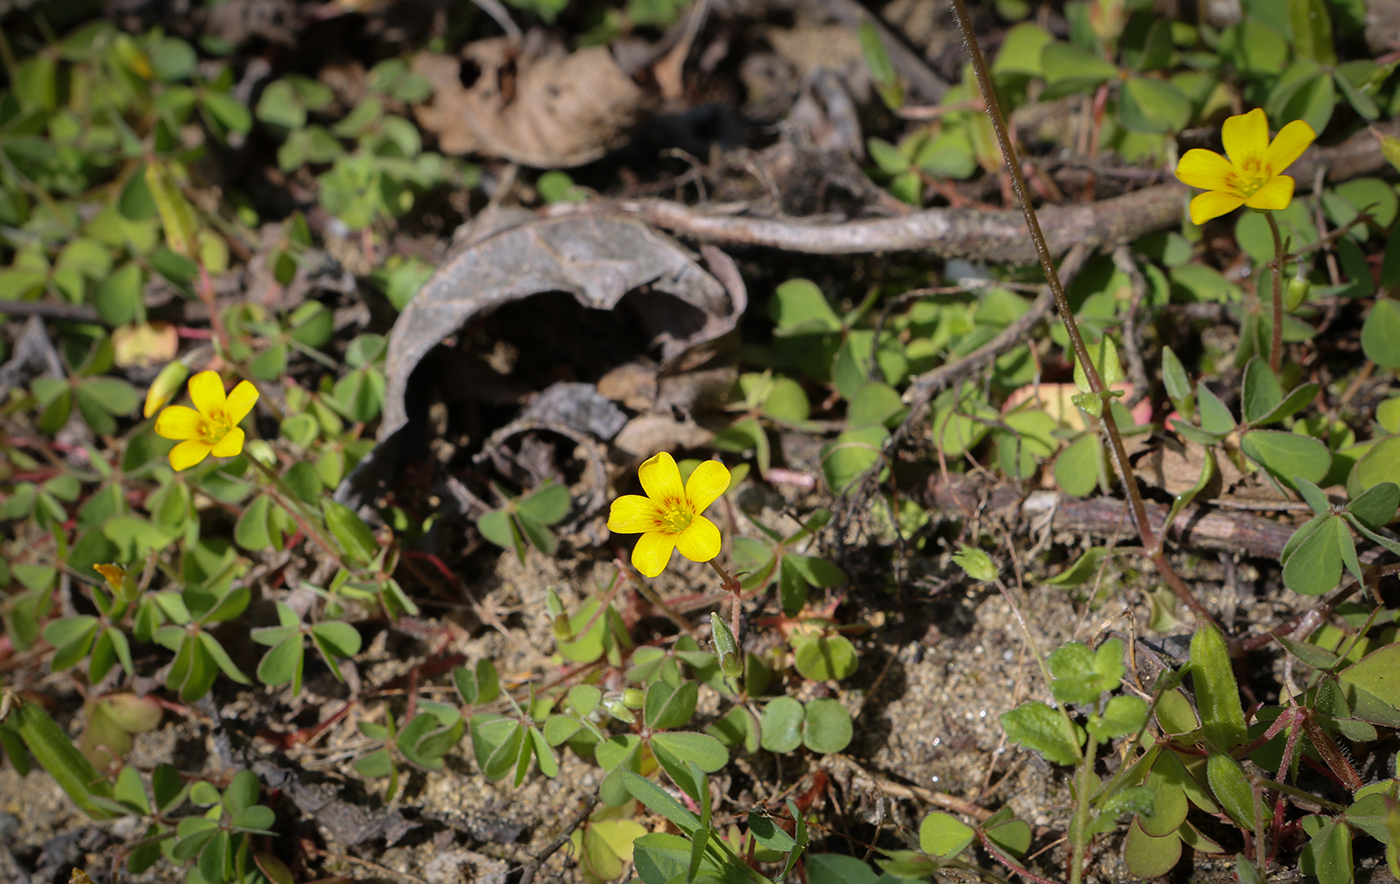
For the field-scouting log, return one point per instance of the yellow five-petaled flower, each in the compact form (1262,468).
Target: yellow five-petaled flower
(1252,175)
(211,427)
(669,517)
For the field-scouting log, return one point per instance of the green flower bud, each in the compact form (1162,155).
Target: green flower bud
(1298,288)
(633,698)
(726,648)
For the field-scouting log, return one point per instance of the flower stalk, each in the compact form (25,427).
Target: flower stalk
(1081,351)
(1276,341)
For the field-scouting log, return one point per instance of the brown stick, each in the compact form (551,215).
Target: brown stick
(1200,527)
(998,235)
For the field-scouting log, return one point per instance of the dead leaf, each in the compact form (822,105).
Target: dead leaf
(144,344)
(551,109)
(632,383)
(647,434)
(111,721)
(596,258)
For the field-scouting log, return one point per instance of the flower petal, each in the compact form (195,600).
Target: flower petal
(661,479)
(241,401)
(1205,169)
(1276,194)
(1288,145)
(207,391)
(700,542)
(231,444)
(634,514)
(1213,204)
(178,422)
(1245,136)
(706,484)
(189,453)
(652,553)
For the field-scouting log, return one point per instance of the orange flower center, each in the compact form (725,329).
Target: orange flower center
(676,516)
(1249,176)
(214,428)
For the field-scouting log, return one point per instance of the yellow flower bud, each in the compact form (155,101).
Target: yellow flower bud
(165,386)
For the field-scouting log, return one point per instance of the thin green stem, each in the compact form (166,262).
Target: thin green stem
(289,501)
(1081,351)
(1276,268)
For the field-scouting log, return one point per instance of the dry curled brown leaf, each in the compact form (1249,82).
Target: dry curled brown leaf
(550,109)
(598,259)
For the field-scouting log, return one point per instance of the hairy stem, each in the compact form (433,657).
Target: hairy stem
(1081,352)
(1276,266)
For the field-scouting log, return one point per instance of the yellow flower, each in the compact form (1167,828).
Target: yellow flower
(669,516)
(1252,174)
(211,427)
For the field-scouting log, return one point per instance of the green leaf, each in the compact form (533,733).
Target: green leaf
(659,801)
(1217,694)
(886,156)
(282,663)
(279,105)
(496,741)
(177,216)
(338,637)
(827,726)
(1312,36)
(703,750)
(824,658)
(780,726)
(975,563)
(799,308)
(1083,570)
(118,298)
(942,834)
(852,455)
(57,755)
(1178,384)
(1150,105)
(250,531)
(1020,51)
(1376,506)
(1122,716)
(1043,729)
(668,707)
(1262,390)
(1294,402)
(1070,69)
(1081,675)
(1380,335)
(1372,686)
(1230,786)
(498,527)
(882,71)
(1286,455)
(767,833)
(1315,565)
(1147,856)
(546,505)
(228,110)
(1077,469)
(350,531)
(1215,417)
